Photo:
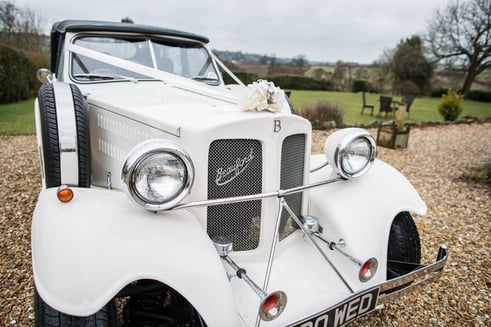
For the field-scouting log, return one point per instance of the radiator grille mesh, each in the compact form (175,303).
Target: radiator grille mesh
(292,170)
(235,169)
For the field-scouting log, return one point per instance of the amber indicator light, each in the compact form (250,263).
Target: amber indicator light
(64,194)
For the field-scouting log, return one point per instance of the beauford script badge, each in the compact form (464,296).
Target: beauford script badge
(226,175)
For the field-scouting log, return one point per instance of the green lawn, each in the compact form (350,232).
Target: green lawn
(422,109)
(18,118)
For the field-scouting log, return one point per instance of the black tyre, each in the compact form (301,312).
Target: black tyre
(45,316)
(404,250)
(290,104)
(50,139)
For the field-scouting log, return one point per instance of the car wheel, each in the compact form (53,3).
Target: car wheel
(46,316)
(404,249)
(50,136)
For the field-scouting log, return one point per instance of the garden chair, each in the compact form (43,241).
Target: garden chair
(366,105)
(385,105)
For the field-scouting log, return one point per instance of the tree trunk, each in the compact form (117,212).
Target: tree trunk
(469,79)
(475,64)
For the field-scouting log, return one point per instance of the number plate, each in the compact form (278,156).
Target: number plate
(344,312)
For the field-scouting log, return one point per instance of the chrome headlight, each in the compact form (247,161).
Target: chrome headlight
(157,174)
(350,151)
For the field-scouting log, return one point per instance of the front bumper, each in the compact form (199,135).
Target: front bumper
(365,301)
(422,275)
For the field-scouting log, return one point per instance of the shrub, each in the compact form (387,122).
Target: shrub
(481,173)
(359,86)
(436,93)
(246,78)
(323,112)
(407,88)
(450,106)
(38,60)
(15,70)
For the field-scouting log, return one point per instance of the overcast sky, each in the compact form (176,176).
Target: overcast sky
(322,30)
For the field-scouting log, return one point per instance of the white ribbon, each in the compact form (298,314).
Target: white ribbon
(263,95)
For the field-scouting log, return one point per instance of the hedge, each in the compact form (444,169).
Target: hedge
(287,82)
(478,95)
(15,70)
(295,82)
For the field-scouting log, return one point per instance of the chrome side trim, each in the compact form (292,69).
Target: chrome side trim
(391,289)
(67,133)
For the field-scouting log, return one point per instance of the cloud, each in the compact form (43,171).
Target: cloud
(325,30)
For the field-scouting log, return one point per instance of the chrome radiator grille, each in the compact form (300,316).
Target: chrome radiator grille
(235,169)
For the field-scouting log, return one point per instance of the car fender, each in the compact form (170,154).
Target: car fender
(85,251)
(361,210)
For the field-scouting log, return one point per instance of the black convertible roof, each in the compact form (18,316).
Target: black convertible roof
(60,28)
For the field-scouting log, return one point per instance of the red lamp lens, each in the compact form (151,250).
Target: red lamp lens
(365,268)
(368,270)
(270,302)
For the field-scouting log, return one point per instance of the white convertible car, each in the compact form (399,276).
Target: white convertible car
(174,198)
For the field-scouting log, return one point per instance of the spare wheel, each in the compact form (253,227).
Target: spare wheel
(65,135)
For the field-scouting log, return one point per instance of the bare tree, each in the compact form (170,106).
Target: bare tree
(300,61)
(340,75)
(29,31)
(8,14)
(19,28)
(460,36)
(382,72)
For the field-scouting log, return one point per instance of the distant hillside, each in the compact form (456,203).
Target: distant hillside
(241,58)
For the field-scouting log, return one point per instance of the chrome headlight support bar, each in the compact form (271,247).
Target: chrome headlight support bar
(317,246)
(367,268)
(283,206)
(272,304)
(253,197)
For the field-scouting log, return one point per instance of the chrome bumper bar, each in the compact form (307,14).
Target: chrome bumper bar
(419,277)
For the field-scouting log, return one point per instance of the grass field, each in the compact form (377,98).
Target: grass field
(423,108)
(18,118)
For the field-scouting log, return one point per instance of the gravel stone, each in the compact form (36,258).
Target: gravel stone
(436,162)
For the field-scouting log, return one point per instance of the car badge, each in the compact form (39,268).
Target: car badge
(226,175)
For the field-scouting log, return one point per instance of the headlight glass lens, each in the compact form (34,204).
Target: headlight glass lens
(159,177)
(157,174)
(356,156)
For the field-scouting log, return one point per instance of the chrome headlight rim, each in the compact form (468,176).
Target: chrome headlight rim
(142,152)
(343,141)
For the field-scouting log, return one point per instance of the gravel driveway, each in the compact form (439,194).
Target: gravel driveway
(459,213)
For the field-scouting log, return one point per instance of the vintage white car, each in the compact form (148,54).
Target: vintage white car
(184,200)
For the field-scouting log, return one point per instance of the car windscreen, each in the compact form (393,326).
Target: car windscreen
(187,59)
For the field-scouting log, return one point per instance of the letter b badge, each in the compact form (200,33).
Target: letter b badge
(277,126)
